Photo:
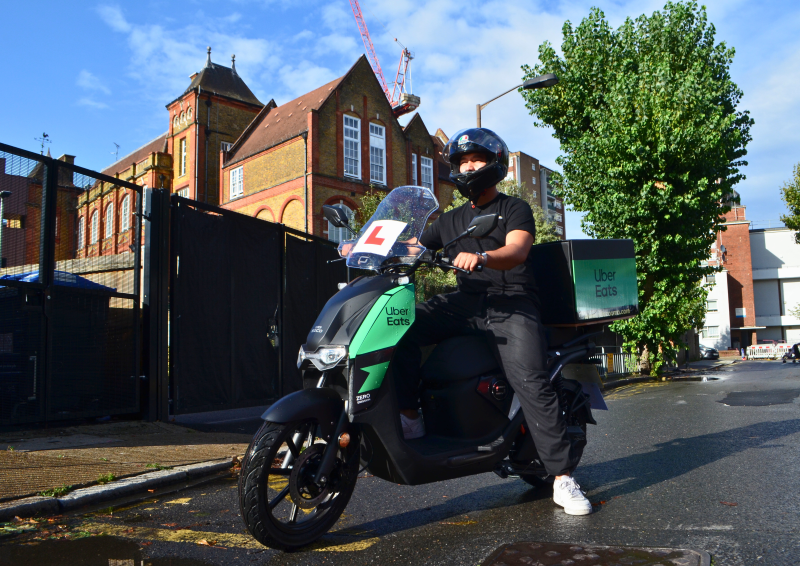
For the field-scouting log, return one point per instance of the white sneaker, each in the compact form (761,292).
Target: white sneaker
(567,494)
(412,428)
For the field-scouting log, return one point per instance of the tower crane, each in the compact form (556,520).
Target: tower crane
(402,102)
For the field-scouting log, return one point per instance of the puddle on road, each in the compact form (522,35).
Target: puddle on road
(546,554)
(94,551)
(760,398)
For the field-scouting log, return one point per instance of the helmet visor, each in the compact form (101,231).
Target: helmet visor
(472,140)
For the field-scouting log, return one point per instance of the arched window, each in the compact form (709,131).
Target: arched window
(109,220)
(94,227)
(124,214)
(81,232)
(338,234)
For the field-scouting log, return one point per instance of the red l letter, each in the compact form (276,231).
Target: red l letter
(373,237)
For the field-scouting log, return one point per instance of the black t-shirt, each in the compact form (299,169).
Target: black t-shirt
(516,215)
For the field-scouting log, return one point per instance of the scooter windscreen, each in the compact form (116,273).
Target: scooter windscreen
(391,236)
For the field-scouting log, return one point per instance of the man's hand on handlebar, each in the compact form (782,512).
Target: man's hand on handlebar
(468,261)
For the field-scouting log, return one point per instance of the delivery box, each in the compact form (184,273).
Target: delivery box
(586,281)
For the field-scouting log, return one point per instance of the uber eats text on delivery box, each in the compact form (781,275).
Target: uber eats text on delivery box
(583,281)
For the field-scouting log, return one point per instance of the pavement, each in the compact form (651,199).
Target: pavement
(48,471)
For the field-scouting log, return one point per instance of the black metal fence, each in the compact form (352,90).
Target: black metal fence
(69,291)
(244,293)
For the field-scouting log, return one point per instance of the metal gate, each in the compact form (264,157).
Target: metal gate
(243,295)
(69,291)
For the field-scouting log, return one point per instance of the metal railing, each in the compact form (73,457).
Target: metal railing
(615,364)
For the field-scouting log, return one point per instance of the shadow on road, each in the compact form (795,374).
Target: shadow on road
(677,457)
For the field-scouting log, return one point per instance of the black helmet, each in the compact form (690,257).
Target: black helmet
(476,140)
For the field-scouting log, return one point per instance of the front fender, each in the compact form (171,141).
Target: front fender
(322,405)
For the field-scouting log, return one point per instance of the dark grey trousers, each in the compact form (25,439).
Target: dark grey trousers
(512,327)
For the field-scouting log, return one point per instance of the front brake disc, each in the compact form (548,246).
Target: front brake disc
(305,493)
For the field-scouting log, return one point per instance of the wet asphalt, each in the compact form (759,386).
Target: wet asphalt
(706,465)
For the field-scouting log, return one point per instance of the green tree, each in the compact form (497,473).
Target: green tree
(790,192)
(651,142)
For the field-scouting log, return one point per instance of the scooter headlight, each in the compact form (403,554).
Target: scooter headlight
(324,358)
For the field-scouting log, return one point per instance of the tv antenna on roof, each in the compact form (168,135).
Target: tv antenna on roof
(44,139)
(116,152)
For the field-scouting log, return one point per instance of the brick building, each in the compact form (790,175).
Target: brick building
(328,146)
(759,285)
(209,116)
(527,170)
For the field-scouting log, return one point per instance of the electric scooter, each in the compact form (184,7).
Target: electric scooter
(301,468)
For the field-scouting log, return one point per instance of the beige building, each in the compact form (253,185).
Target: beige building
(527,170)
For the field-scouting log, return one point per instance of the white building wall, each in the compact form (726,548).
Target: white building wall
(776,283)
(721,319)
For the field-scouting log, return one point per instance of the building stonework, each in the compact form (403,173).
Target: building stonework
(291,160)
(528,171)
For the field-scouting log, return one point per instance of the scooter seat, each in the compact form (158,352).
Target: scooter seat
(458,359)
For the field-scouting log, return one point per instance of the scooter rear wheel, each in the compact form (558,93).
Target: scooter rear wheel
(281,506)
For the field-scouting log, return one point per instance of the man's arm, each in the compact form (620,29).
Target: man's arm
(514,253)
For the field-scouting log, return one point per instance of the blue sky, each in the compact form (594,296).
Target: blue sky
(94,73)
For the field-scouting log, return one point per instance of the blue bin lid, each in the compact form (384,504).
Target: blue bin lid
(60,278)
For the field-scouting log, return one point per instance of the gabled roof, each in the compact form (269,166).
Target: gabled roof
(158,145)
(283,123)
(224,81)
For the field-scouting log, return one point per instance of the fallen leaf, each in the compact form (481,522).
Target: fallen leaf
(729,503)
(169,525)
(151,490)
(148,543)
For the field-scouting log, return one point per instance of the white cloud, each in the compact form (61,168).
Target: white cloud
(338,43)
(302,78)
(112,15)
(92,103)
(88,81)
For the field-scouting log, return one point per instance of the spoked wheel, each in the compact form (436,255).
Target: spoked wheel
(281,504)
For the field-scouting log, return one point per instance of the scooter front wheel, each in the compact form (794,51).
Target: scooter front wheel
(279,501)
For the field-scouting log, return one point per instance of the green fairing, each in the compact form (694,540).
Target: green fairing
(386,323)
(376,375)
(381,328)
(605,287)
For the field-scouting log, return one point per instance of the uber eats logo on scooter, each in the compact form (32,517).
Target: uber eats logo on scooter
(397,317)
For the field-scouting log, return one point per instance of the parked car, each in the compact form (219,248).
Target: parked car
(708,353)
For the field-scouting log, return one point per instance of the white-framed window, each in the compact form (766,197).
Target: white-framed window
(427,172)
(338,234)
(109,220)
(183,193)
(711,278)
(711,306)
(81,232)
(125,214)
(237,182)
(711,332)
(533,180)
(183,156)
(559,230)
(533,168)
(95,222)
(533,193)
(558,217)
(414,180)
(226,146)
(352,147)
(558,204)
(377,154)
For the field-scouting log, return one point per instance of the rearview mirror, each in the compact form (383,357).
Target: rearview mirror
(335,216)
(482,226)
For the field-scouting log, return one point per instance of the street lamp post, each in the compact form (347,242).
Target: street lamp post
(542,81)
(3,196)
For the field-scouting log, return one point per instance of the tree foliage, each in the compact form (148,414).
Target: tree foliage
(790,193)
(651,142)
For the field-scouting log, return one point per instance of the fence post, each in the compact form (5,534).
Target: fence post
(47,266)
(155,303)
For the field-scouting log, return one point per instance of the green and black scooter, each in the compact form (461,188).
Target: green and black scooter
(300,469)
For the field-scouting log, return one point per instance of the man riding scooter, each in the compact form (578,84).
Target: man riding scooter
(793,354)
(498,301)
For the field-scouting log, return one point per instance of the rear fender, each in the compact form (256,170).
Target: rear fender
(322,405)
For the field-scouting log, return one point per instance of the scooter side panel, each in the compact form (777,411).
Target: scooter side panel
(373,345)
